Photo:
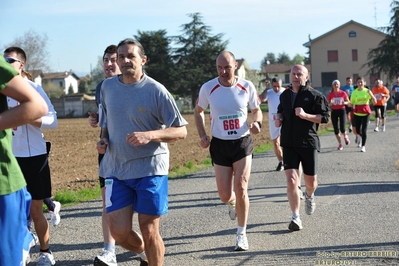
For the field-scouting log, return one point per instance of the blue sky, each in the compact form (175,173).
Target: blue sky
(79,30)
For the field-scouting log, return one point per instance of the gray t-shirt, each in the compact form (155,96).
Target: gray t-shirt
(125,108)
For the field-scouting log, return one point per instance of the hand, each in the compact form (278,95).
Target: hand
(300,112)
(102,146)
(254,128)
(138,138)
(93,119)
(205,141)
(277,123)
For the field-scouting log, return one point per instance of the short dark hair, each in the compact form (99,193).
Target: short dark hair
(348,78)
(276,79)
(111,49)
(19,51)
(134,42)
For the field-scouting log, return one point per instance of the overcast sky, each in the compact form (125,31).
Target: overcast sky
(79,30)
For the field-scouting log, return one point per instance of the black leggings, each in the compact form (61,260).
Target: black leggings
(341,115)
(361,123)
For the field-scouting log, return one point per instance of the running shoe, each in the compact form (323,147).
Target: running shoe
(376,129)
(241,242)
(46,259)
(383,128)
(232,210)
(360,142)
(310,204)
(55,215)
(295,224)
(357,139)
(363,149)
(347,141)
(350,129)
(280,167)
(107,258)
(340,147)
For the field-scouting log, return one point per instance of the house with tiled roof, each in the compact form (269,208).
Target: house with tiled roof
(342,52)
(65,80)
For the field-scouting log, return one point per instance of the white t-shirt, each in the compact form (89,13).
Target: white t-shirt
(229,107)
(273,100)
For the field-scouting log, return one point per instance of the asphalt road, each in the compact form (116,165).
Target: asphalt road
(355,222)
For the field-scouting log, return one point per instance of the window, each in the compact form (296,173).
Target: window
(332,56)
(354,54)
(287,78)
(327,78)
(355,76)
(352,34)
(61,84)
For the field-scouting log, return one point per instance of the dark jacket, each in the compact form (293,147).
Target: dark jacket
(297,132)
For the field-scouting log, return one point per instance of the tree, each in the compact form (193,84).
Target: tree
(284,58)
(385,58)
(158,51)
(35,47)
(195,58)
(52,90)
(298,59)
(70,89)
(269,57)
(97,74)
(84,85)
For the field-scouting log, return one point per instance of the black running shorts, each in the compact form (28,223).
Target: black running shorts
(226,152)
(293,156)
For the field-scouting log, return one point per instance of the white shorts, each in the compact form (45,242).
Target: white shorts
(274,131)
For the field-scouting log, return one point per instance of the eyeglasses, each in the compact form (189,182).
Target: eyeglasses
(11,60)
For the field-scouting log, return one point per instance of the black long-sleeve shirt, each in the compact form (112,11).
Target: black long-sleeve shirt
(295,131)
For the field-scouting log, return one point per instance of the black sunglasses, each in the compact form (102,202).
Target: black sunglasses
(11,60)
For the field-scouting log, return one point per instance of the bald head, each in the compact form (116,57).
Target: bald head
(226,65)
(299,76)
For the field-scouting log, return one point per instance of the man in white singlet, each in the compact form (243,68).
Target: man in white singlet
(231,147)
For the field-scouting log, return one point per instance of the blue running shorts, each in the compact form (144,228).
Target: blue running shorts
(14,236)
(147,195)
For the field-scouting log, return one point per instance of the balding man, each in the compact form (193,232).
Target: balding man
(231,147)
(300,110)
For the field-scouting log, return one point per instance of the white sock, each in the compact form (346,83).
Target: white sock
(232,203)
(295,215)
(241,230)
(143,256)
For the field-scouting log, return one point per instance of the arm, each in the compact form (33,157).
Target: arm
(31,106)
(257,118)
(103,143)
(200,124)
(262,96)
(373,99)
(49,121)
(163,135)
(321,109)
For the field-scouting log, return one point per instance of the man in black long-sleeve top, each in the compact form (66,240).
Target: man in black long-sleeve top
(300,111)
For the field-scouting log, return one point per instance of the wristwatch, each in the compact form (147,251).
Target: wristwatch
(259,123)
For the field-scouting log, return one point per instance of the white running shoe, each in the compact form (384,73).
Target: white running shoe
(295,224)
(363,149)
(241,242)
(376,129)
(360,142)
(232,210)
(310,204)
(383,128)
(106,258)
(46,259)
(55,215)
